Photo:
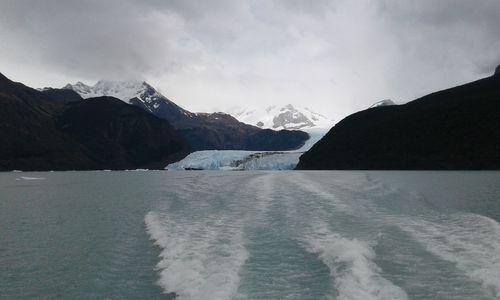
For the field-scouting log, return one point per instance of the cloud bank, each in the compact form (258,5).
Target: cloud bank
(335,56)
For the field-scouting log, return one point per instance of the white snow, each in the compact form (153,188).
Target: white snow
(386,102)
(264,117)
(124,90)
(151,99)
(315,134)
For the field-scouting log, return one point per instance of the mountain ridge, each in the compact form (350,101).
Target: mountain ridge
(45,132)
(281,117)
(203,131)
(453,129)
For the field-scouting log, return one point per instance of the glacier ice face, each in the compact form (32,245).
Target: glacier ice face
(210,160)
(246,160)
(237,160)
(271,161)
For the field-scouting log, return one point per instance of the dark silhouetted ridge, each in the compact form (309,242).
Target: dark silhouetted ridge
(458,128)
(53,130)
(62,95)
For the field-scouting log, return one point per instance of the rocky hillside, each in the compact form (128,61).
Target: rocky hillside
(454,129)
(56,130)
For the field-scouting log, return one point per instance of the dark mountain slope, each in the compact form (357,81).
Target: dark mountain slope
(62,95)
(458,128)
(121,135)
(214,131)
(223,132)
(41,131)
(28,137)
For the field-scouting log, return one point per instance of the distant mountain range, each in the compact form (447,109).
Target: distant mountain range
(203,131)
(454,129)
(281,117)
(84,127)
(130,125)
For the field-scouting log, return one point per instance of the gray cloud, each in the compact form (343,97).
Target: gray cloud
(450,26)
(90,38)
(337,56)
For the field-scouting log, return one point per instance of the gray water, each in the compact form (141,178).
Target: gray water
(250,235)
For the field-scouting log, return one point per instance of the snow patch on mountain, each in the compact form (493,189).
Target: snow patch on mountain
(124,90)
(281,117)
(386,102)
(138,93)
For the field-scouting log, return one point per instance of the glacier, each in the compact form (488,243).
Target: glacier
(238,160)
(234,160)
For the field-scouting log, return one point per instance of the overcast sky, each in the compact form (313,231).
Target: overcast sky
(334,56)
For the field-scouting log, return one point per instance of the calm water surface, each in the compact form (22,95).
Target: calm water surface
(250,235)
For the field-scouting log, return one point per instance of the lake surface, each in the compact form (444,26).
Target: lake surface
(250,235)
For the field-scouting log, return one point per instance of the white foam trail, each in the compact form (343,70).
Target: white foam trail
(316,189)
(263,186)
(355,274)
(199,260)
(30,178)
(470,241)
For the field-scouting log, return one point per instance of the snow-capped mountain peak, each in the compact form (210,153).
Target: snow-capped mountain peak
(124,90)
(141,94)
(281,117)
(138,93)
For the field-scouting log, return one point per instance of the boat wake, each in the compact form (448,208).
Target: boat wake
(266,235)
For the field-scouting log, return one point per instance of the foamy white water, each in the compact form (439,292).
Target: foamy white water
(267,226)
(30,178)
(352,266)
(198,260)
(470,241)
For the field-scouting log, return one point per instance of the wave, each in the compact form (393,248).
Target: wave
(352,266)
(316,189)
(199,260)
(30,178)
(470,241)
